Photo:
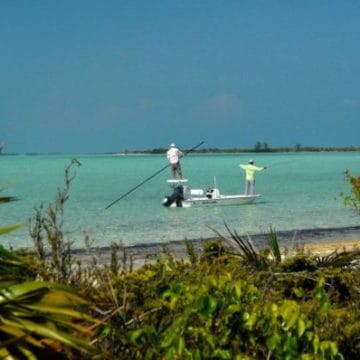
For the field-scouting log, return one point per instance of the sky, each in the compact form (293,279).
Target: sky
(93,76)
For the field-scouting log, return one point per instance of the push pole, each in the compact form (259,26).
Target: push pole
(150,177)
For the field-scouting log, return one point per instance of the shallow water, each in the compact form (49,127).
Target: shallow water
(299,191)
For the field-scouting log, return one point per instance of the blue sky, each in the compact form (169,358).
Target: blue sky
(104,76)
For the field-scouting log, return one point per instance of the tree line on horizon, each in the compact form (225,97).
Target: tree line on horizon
(259,147)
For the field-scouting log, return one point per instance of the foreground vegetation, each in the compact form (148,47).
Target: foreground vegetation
(352,200)
(222,306)
(230,301)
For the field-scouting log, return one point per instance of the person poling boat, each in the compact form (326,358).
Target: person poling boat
(250,170)
(173,155)
(150,177)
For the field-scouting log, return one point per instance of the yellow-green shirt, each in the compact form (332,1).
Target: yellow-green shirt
(250,171)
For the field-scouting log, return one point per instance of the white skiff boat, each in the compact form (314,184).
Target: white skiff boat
(183,196)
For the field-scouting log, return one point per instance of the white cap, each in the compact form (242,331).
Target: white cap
(172,145)
(251,161)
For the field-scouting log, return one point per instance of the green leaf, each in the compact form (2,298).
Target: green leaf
(136,335)
(299,292)
(207,305)
(290,312)
(4,354)
(22,290)
(316,343)
(61,297)
(180,346)
(8,255)
(18,334)
(330,347)
(50,333)
(319,293)
(222,354)
(55,310)
(27,353)
(301,326)
(325,306)
(7,229)
(237,290)
(169,339)
(273,341)
(233,308)
(251,320)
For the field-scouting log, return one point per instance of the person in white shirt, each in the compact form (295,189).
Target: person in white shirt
(173,155)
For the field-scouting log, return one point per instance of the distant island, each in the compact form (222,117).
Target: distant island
(259,147)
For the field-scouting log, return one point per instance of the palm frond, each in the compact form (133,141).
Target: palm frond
(338,259)
(7,229)
(247,249)
(37,313)
(273,243)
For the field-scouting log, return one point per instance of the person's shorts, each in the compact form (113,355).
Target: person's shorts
(175,166)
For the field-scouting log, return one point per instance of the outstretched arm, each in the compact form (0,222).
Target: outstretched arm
(257,168)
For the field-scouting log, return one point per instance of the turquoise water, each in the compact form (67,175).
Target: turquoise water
(300,191)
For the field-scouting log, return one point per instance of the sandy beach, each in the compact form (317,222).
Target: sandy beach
(314,241)
(329,247)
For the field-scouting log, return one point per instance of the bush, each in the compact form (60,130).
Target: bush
(353,199)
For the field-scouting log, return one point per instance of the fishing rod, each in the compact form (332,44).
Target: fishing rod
(150,177)
(277,163)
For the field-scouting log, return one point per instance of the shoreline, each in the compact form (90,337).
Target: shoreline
(206,151)
(318,241)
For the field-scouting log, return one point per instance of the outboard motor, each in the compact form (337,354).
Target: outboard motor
(213,193)
(209,193)
(177,196)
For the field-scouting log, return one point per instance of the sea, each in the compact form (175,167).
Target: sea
(299,191)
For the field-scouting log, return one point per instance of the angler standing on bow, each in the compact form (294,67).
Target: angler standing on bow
(250,170)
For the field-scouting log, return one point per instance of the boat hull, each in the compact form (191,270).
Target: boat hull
(184,196)
(222,200)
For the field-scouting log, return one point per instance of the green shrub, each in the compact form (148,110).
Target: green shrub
(353,199)
(175,310)
(38,319)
